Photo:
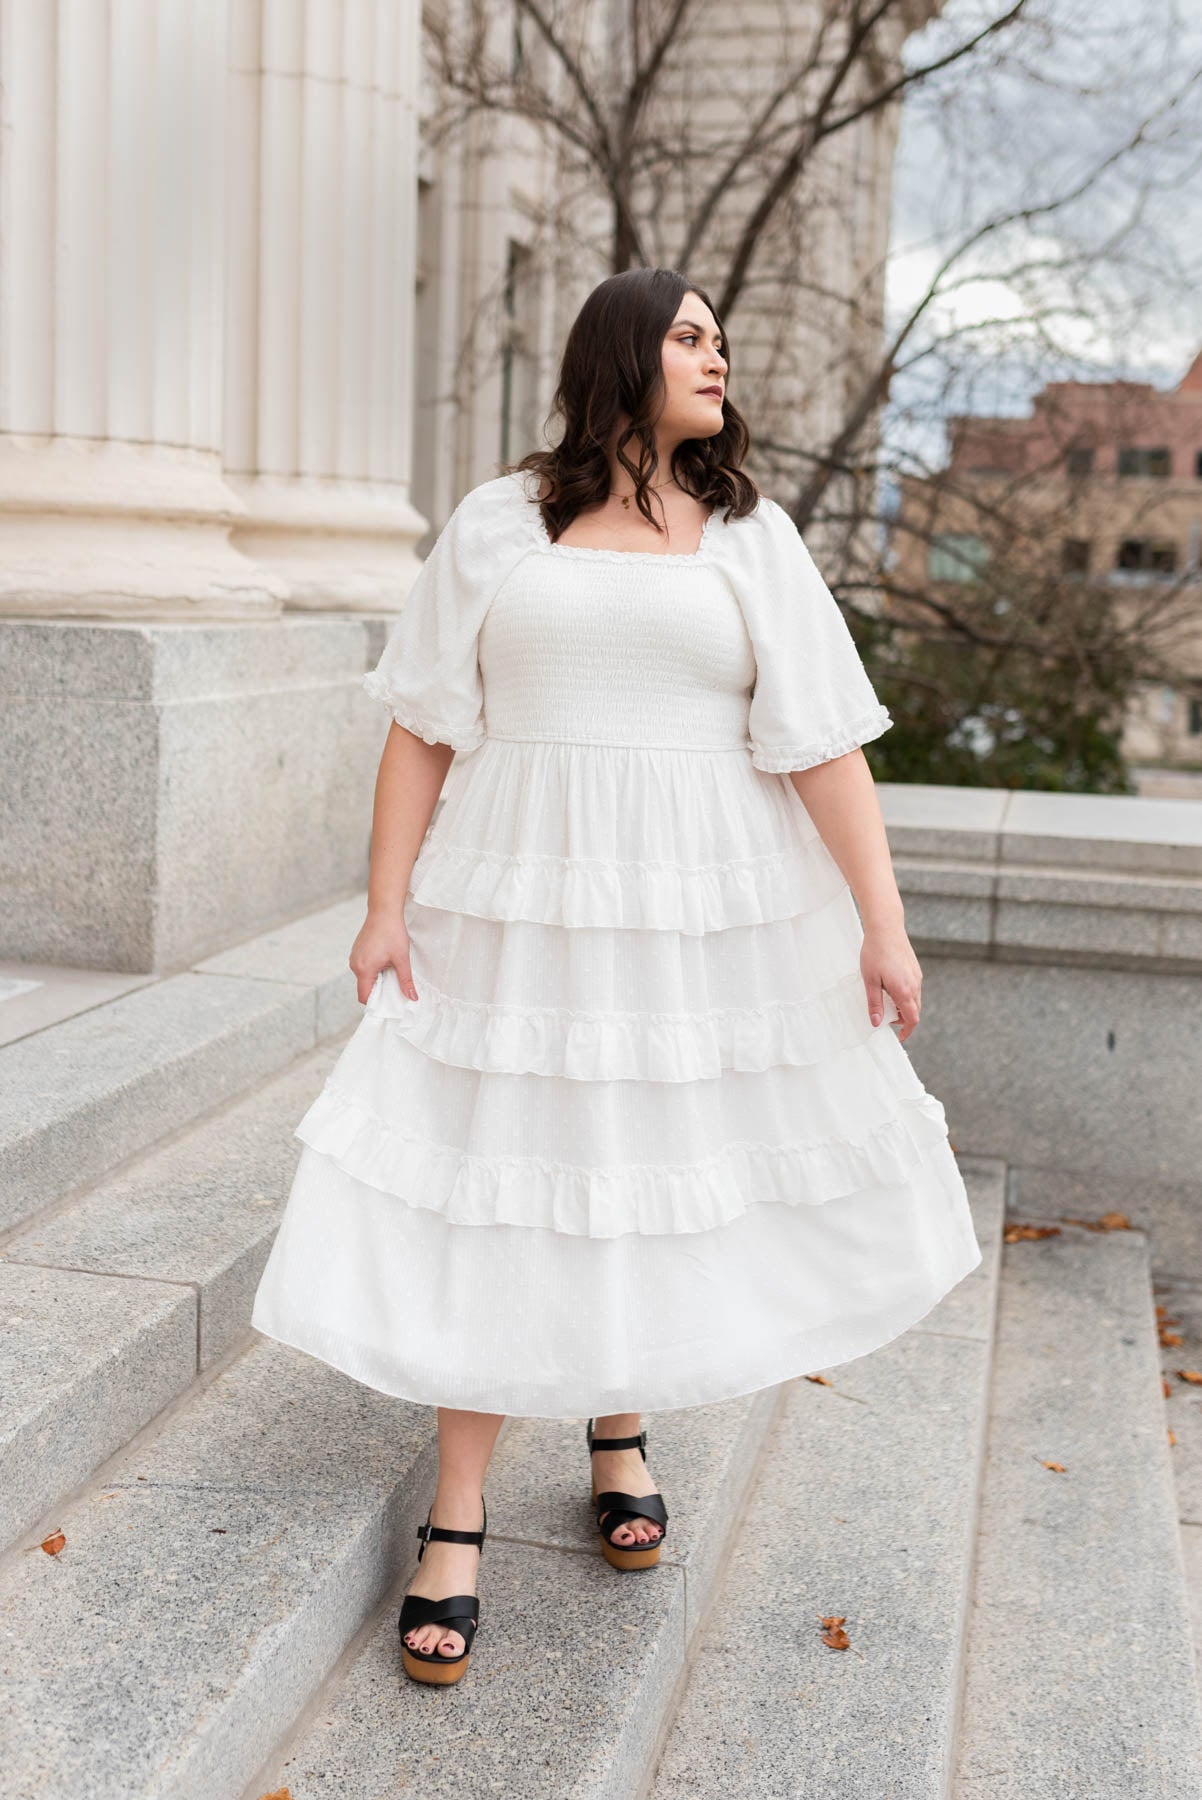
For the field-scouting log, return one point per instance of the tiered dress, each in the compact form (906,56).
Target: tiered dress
(636,1145)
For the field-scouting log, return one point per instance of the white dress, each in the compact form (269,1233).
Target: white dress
(636,1145)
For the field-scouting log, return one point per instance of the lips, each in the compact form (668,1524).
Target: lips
(715,391)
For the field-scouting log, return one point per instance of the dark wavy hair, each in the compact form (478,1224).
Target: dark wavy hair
(613,363)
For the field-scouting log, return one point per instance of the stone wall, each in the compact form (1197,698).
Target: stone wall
(1061,942)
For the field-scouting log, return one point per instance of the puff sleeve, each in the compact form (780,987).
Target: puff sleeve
(811,699)
(429,674)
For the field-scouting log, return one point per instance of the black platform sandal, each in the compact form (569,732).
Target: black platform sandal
(459,1612)
(619,1509)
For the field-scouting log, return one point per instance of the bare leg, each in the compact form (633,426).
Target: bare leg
(625,1471)
(465,1447)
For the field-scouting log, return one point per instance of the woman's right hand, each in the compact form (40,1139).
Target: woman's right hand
(381,943)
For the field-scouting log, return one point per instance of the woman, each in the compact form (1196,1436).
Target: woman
(624,1125)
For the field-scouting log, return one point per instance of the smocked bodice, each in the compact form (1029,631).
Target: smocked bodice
(617,648)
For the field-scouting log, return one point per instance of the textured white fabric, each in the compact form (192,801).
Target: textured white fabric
(636,1145)
(513,1319)
(779,675)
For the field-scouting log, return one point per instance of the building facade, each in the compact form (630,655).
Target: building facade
(1100,484)
(264,318)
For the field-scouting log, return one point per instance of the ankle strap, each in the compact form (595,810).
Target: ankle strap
(638,1442)
(444,1535)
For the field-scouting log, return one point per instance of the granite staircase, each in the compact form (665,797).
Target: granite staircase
(960,1567)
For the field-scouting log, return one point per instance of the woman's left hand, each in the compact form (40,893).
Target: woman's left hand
(887,961)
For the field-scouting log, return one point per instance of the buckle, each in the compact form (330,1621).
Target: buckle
(643,1439)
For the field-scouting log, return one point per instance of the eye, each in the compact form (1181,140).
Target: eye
(719,346)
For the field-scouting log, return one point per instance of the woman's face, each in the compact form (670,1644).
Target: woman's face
(694,373)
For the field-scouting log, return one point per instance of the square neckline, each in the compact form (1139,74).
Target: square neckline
(606,553)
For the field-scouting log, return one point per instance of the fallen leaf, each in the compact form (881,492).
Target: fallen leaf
(1015,1234)
(54,1543)
(1171,1338)
(1165,1389)
(1194,1375)
(1172,1438)
(1111,1221)
(833,1634)
(1059,1467)
(821,1378)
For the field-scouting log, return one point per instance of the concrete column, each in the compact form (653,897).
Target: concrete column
(112,220)
(320,299)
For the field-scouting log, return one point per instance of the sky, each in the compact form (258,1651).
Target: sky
(1104,277)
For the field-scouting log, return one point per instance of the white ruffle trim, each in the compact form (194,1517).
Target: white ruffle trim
(573,891)
(431,731)
(606,1202)
(617,1046)
(849,737)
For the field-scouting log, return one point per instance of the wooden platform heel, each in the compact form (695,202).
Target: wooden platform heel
(458,1612)
(619,1509)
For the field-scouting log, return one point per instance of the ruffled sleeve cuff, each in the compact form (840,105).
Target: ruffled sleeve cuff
(431,731)
(811,700)
(782,759)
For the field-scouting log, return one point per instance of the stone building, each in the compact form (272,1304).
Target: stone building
(259,330)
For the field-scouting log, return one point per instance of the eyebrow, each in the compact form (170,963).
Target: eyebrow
(677,323)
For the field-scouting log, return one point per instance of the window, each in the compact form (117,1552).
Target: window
(1198,464)
(956,556)
(1135,461)
(1074,556)
(1079,460)
(1151,556)
(1194,716)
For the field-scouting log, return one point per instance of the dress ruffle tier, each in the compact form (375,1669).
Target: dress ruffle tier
(636,1145)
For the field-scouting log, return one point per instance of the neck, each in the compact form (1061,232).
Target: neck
(620,481)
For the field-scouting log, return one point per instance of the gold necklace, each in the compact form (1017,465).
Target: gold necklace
(627,498)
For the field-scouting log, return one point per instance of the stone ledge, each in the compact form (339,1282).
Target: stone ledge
(1094,880)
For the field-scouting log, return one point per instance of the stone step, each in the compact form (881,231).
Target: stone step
(575,1663)
(211,1577)
(1080,1675)
(219,1568)
(116,1303)
(577,1666)
(84,1095)
(1181,1301)
(864,1510)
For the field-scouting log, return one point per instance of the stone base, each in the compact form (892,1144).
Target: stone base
(173,789)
